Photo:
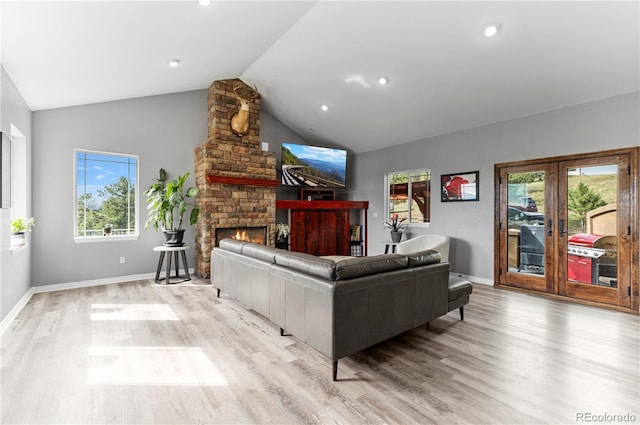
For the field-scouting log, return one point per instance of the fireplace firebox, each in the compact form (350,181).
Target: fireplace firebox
(248,234)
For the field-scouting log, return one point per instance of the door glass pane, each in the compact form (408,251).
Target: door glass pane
(525,218)
(592,225)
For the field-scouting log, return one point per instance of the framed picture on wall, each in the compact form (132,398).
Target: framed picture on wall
(459,186)
(5,176)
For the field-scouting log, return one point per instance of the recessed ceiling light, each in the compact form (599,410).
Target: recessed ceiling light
(173,63)
(204,2)
(491,30)
(383,81)
(324,108)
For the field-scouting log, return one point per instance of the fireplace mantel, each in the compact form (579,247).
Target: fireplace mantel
(241,181)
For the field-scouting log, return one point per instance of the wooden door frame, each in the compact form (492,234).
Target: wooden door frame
(540,284)
(634,223)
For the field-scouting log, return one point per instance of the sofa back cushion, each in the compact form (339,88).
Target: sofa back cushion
(232,245)
(260,252)
(364,266)
(424,258)
(306,263)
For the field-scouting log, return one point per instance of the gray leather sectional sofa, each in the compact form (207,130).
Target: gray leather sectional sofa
(336,307)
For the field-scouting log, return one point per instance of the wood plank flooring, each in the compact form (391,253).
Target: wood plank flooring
(141,353)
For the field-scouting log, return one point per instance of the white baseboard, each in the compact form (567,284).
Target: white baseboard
(87,283)
(474,279)
(9,318)
(94,282)
(6,322)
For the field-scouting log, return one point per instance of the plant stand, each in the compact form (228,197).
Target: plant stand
(175,250)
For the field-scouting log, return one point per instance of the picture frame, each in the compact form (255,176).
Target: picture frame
(5,175)
(460,187)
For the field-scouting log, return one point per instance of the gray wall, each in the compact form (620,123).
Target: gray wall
(15,276)
(162,130)
(276,133)
(605,124)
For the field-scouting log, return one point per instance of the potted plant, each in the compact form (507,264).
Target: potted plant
(282,233)
(19,226)
(395,225)
(168,202)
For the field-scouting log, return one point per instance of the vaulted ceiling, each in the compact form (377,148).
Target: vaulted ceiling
(444,74)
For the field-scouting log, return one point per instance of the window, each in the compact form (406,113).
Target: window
(19,177)
(105,201)
(415,208)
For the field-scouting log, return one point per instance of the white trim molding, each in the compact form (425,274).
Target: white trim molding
(474,279)
(9,318)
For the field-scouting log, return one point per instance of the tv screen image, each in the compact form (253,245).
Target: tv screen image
(313,166)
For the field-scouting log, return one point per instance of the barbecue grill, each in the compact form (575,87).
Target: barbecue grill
(592,259)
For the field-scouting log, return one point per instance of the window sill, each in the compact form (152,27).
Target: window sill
(97,239)
(15,249)
(419,225)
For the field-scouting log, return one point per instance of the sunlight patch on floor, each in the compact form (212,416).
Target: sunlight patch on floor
(132,312)
(152,366)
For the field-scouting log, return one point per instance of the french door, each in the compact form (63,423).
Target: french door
(568,227)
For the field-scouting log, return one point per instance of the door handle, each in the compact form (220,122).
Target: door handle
(561,228)
(549,228)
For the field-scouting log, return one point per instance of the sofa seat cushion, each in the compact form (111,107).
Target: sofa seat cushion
(306,263)
(459,287)
(337,257)
(364,266)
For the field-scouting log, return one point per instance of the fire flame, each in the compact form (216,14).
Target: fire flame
(244,236)
(241,236)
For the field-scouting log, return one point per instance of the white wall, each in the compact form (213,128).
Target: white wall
(602,125)
(15,278)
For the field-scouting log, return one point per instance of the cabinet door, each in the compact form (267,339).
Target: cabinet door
(298,235)
(343,233)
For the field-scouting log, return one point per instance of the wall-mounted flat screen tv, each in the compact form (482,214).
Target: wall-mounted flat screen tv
(313,166)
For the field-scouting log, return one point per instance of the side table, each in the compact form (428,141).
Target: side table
(176,251)
(388,244)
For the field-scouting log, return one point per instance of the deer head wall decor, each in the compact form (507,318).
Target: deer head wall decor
(240,120)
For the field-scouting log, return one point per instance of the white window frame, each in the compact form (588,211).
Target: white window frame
(387,195)
(114,238)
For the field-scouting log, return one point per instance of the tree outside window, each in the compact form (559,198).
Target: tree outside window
(105,194)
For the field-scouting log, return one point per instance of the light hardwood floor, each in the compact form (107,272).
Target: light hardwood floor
(141,353)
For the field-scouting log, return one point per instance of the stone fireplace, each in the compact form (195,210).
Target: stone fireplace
(236,179)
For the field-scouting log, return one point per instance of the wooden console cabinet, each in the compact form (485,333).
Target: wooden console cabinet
(323,227)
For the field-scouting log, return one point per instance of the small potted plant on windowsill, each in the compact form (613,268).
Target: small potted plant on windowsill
(395,225)
(282,233)
(168,203)
(19,227)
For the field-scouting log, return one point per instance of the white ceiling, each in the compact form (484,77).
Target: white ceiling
(445,75)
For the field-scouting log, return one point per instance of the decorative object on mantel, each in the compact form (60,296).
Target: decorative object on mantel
(168,202)
(19,227)
(282,233)
(240,120)
(460,186)
(395,225)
